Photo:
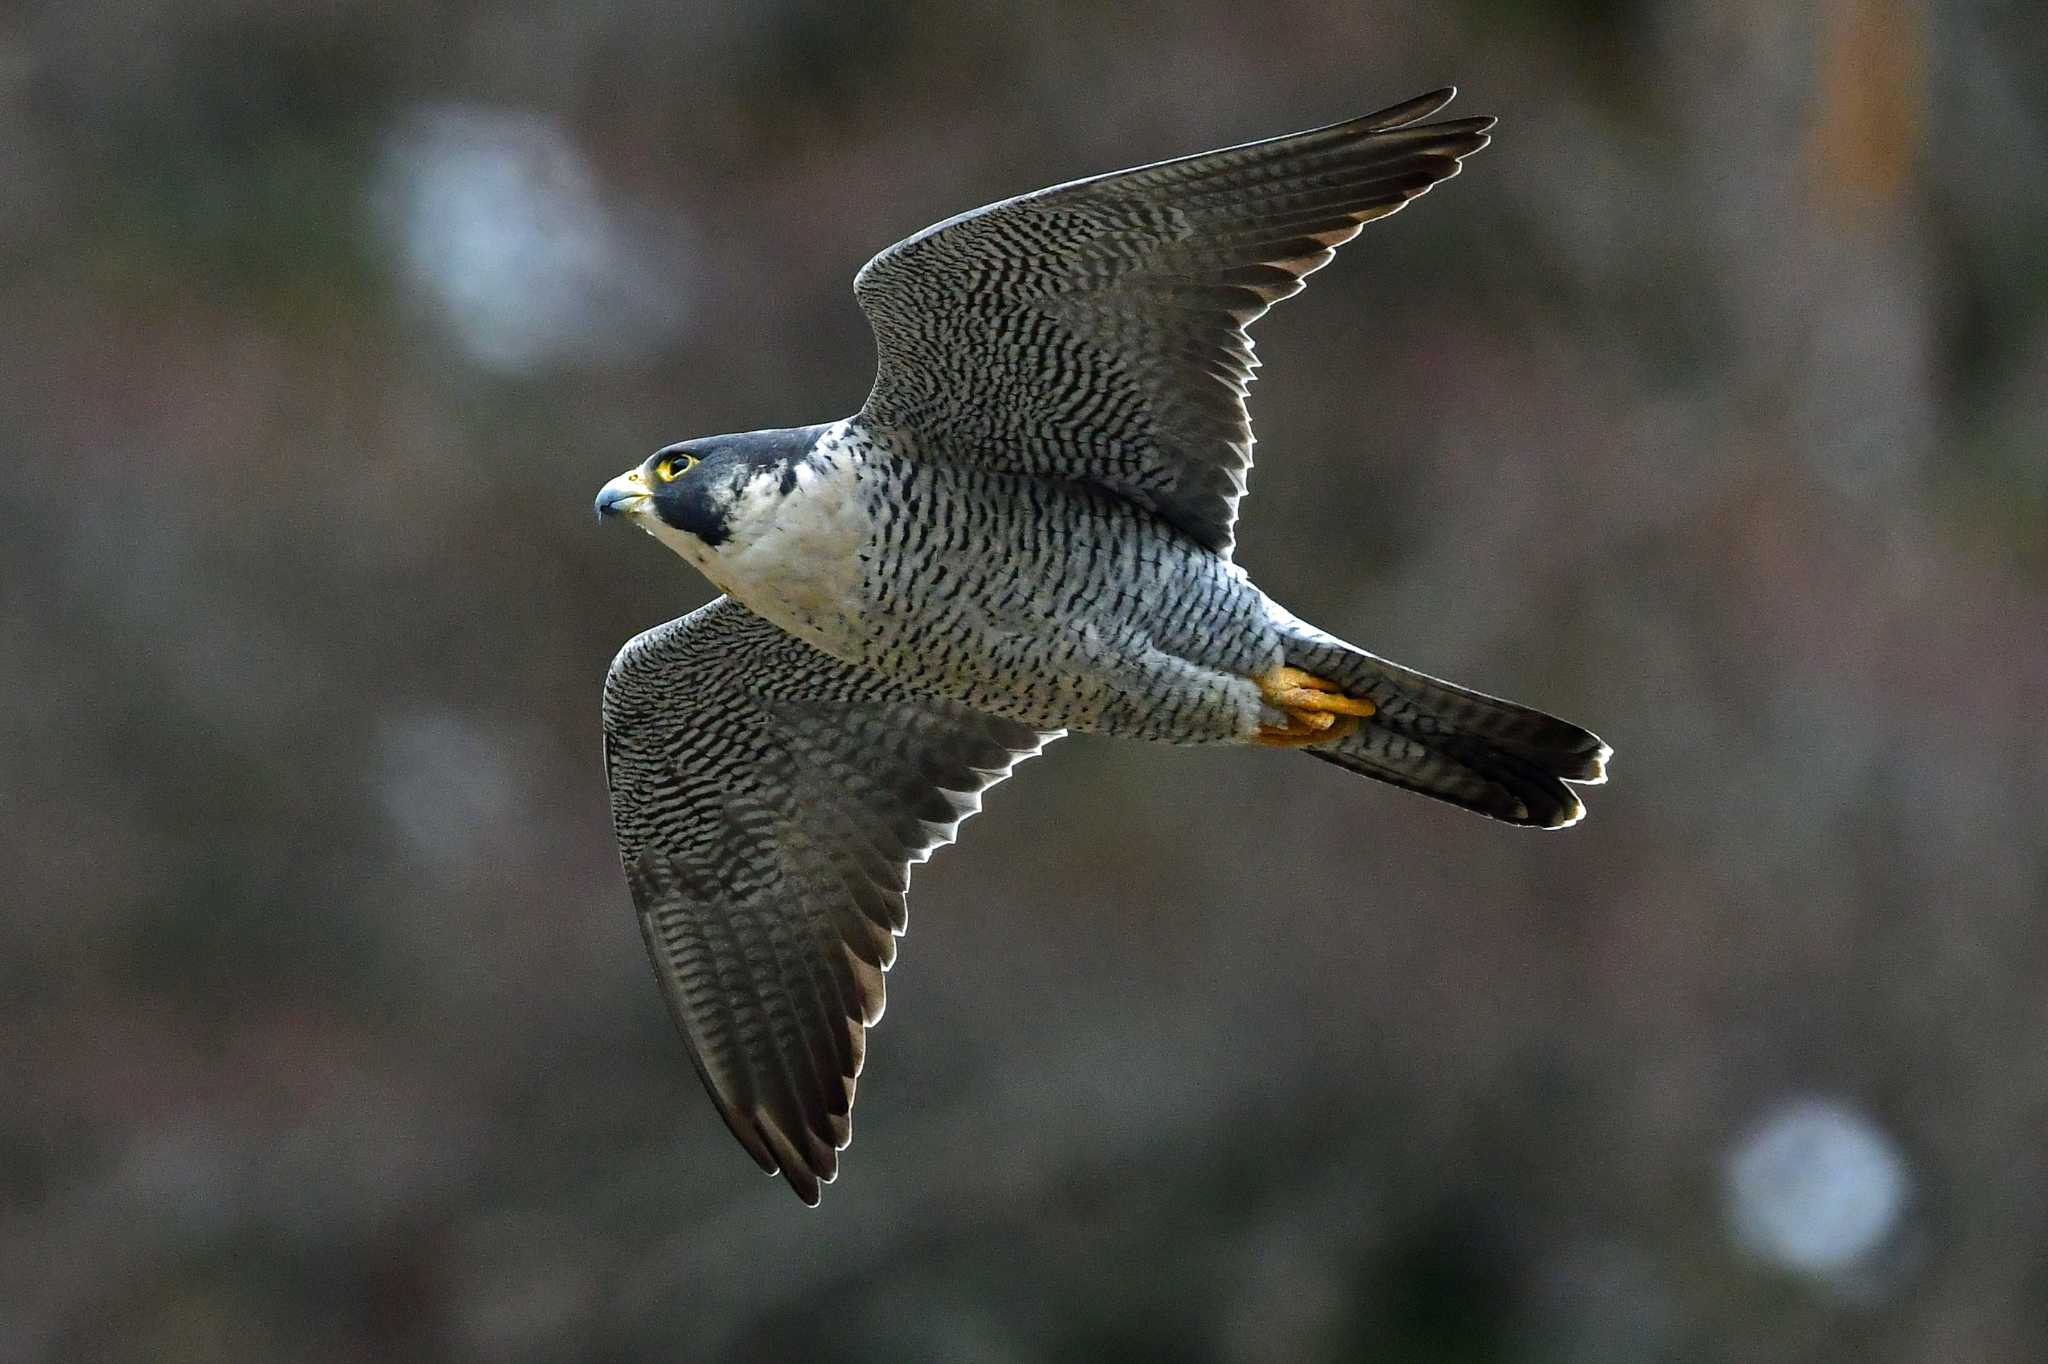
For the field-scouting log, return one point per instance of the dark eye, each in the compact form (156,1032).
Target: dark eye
(674,466)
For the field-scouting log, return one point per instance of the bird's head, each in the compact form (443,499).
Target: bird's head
(695,495)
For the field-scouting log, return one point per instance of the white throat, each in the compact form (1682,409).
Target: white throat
(793,557)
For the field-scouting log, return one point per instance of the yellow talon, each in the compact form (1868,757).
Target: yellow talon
(1317,712)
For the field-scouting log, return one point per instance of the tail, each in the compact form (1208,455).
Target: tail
(1491,756)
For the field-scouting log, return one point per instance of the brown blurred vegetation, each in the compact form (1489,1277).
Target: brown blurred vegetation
(1706,408)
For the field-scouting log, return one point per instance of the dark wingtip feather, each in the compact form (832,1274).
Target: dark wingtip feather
(1588,767)
(1409,110)
(807,1190)
(795,1171)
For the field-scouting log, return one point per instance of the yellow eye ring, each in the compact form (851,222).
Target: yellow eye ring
(674,467)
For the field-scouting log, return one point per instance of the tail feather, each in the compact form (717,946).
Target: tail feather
(1487,755)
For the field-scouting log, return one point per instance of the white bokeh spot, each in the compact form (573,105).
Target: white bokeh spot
(497,219)
(1816,1188)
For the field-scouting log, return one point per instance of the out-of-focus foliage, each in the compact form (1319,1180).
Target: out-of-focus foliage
(1707,408)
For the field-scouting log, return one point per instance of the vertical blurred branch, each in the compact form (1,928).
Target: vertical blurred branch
(1873,62)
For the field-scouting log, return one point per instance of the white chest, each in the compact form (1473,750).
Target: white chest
(794,555)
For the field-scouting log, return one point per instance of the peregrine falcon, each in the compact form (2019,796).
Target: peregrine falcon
(1025,531)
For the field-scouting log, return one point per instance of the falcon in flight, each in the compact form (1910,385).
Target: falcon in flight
(1025,531)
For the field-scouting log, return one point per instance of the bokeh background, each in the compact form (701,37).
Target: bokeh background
(1708,407)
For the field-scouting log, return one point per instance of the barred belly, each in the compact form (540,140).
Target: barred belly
(1057,605)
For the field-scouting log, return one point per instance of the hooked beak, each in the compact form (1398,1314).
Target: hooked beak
(623,496)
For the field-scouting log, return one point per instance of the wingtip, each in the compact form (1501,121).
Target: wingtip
(1408,114)
(1410,110)
(801,1178)
(1601,759)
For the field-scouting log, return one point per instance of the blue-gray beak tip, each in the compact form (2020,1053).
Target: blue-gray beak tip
(620,495)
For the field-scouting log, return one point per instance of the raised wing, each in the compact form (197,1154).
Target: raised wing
(768,801)
(1096,330)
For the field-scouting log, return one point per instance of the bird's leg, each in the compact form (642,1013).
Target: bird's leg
(1317,711)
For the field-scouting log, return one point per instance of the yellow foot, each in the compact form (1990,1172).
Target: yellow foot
(1291,736)
(1317,712)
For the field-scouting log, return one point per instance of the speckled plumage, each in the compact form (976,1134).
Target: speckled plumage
(1025,530)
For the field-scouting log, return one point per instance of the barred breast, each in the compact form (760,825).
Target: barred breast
(1053,603)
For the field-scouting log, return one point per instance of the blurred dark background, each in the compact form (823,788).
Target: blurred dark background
(1707,407)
